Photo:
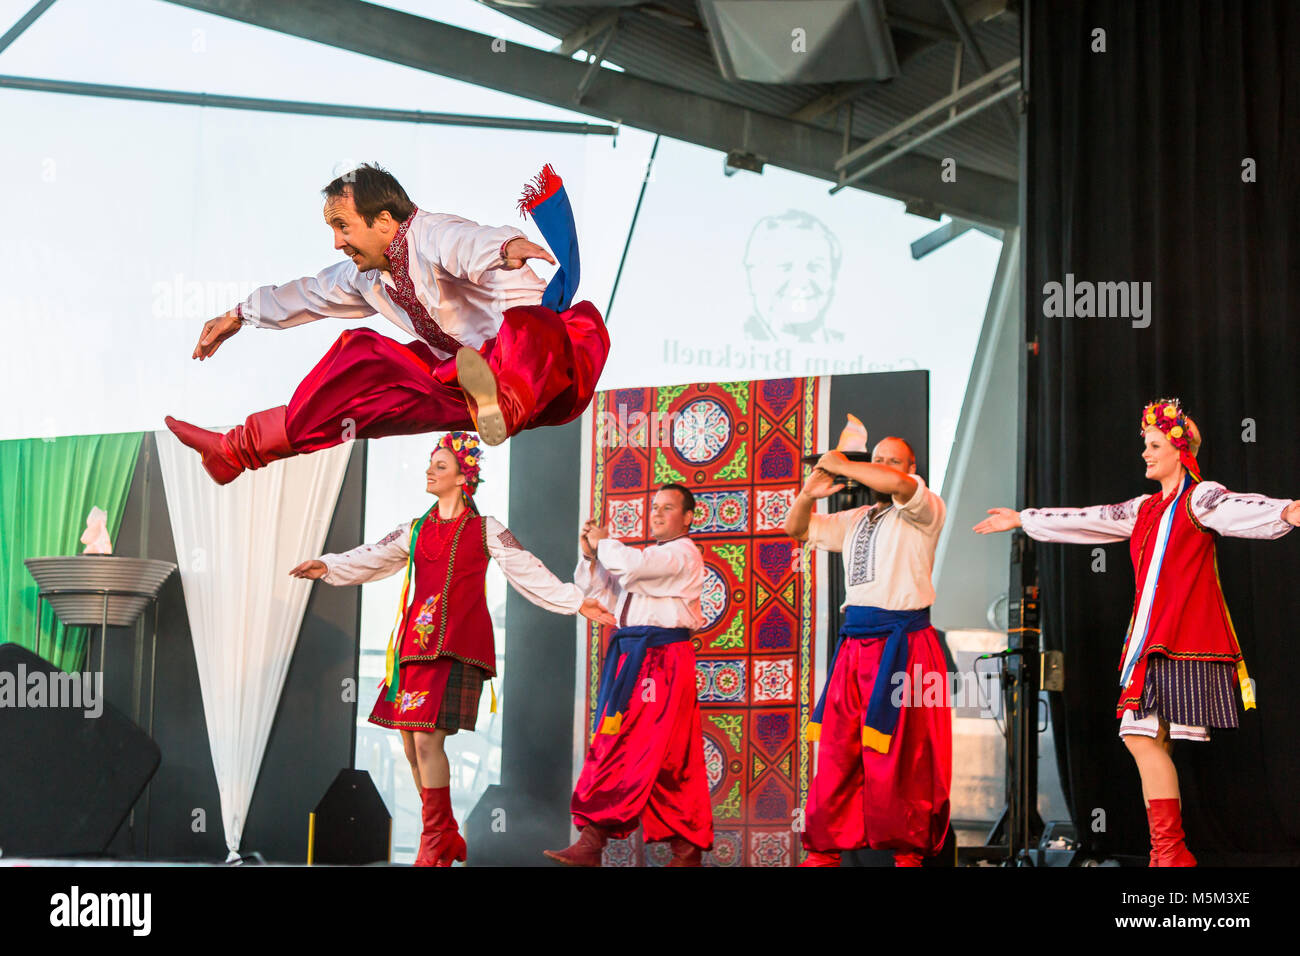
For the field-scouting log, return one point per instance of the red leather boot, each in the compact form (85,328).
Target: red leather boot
(822,858)
(685,853)
(500,403)
(585,851)
(1165,821)
(431,829)
(254,444)
(448,845)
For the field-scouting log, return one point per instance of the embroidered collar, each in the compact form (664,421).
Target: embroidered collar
(671,540)
(878,511)
(402,291)
(396,250)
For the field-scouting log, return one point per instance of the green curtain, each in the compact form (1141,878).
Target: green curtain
(47,488)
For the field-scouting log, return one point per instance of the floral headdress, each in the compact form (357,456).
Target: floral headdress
(469,453)
(1167,415)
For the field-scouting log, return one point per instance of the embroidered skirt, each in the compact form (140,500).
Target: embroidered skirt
(1193,693)
(442,694)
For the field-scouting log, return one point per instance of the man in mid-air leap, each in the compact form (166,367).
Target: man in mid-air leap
(497,350)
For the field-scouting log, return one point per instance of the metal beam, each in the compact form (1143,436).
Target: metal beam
(938,238)
(937,106)
(27,19)
(844,93)
(975,12)
(219,101)
(921,28)
(545,77)
(577,39)
(968,41)
(594,62)
(946,233)
(925,137)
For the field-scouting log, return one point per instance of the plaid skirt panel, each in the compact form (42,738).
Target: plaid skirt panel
(442,694)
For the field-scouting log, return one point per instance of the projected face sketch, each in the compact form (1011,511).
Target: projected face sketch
(791,261)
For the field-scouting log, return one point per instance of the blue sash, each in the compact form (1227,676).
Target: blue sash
(554,218)
(616,690)
(874,623)
(1137,637)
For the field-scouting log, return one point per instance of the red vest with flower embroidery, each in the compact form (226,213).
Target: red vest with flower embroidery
(448,613)
(1189,618)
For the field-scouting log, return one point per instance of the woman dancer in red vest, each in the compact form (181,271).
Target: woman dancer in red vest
(1181,657)
(442,647)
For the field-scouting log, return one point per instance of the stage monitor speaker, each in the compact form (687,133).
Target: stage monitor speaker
(350,825)
(71,765)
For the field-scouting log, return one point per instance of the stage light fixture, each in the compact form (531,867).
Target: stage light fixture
(800,41)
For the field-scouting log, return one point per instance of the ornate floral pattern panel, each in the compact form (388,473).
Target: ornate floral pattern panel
(737,446)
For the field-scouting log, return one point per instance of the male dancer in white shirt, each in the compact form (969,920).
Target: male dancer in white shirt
(497,351)
(645,763)
(883,770)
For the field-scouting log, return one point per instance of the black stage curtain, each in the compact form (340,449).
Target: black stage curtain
(1135,174)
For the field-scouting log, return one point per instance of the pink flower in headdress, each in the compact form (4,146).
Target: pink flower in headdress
(465,446)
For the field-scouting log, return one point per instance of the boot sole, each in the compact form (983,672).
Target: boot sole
(480,384)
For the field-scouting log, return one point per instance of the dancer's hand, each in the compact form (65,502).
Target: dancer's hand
(519,250)
(595,534)
(1291,515)
(311,570)
(1001,519)
(821,484)
(593,610)
(215,331)
(833,463)
(588,549)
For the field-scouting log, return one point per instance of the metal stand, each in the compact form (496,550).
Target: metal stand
(125,587)
(1019,827)
(138,676)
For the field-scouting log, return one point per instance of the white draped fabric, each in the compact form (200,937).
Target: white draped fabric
(235,545)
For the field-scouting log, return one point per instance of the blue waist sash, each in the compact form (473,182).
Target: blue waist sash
(616,688)
(874,623)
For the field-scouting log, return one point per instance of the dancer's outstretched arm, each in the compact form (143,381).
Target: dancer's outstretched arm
(369,562)
(534,581)
(1243,515)
(332,293)
(1098,524)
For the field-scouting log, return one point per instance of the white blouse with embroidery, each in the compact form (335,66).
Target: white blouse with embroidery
(887,561)
(659,585)
(526,573)
(454,265)
(1217,508)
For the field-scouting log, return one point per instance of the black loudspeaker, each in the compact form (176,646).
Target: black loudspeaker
(71,765)
(350,825)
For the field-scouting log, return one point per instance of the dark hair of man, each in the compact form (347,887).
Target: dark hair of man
(688,499)
(373,190)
